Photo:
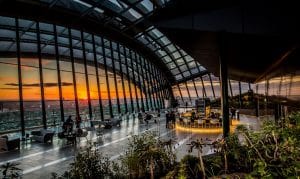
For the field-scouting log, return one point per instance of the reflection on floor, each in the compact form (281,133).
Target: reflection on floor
(40,160)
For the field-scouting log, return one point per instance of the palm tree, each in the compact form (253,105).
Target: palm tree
(198,145)
(220,146)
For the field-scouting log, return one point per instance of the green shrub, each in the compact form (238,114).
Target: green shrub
(274,151)
(146,157)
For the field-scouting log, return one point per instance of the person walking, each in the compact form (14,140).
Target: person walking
(232,111)
(167,119)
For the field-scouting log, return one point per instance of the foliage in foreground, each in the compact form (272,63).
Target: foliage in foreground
(146,156)
(89,163)
(10,170)
(272,152)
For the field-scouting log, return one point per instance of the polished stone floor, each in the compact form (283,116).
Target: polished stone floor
(40,160)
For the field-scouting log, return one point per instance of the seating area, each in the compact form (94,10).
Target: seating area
(200,123)
(158,88)
(7,143)
(71,136)
(107,123)
(43,136)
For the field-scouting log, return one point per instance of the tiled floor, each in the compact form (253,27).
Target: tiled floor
(40,160)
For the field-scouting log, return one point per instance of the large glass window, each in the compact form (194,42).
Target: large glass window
(193,94)
(176,94)
(31,92)
(137,73)
(245,87)
(126,83)
(207,86)
(260,88)
(92,77)
(104,93)
(112,91)
(184,93)
(120,94)
(235,87)
(30,75)
(274,86)
(217,86)
(294,89)
(50,78)
(81,91)
(199,87)
(67,86)
(127,94)
(133,96)
(51,92)
(9,95)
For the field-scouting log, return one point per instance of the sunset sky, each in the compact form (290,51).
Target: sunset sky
(31,88)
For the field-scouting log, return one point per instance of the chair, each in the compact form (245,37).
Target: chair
(185,122)
(81,132)
(42,135)
(199,123)
(7,144)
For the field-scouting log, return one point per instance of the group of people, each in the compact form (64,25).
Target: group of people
(170,117)
(68,124)
(147,117)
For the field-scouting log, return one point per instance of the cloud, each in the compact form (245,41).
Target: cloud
(66,84)
(38,85)
(11,84)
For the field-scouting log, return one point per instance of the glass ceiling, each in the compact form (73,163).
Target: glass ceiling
(114,53)
(123,15)
(177,60)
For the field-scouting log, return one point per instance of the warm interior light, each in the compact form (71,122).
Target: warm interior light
(214,130)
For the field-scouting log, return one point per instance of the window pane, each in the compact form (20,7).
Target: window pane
(67,89)
(9,97)
(104,93)
(92,78)
(51,93)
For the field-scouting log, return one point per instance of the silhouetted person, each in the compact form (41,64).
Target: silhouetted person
(193,117)
(167,119)
(78,121)
(172,118)
(212,115)
(232,110)
(69,124)
(140,117)
(147,118)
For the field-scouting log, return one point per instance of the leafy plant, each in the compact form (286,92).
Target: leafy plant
(146,157)
(89,163)
(273,151)
(10,170)
(294,118)
(189,167)
(198,144)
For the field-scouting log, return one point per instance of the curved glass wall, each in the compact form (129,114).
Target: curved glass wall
(286,86)
(180,64)
(209,86)
(122,16)
(49,72)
